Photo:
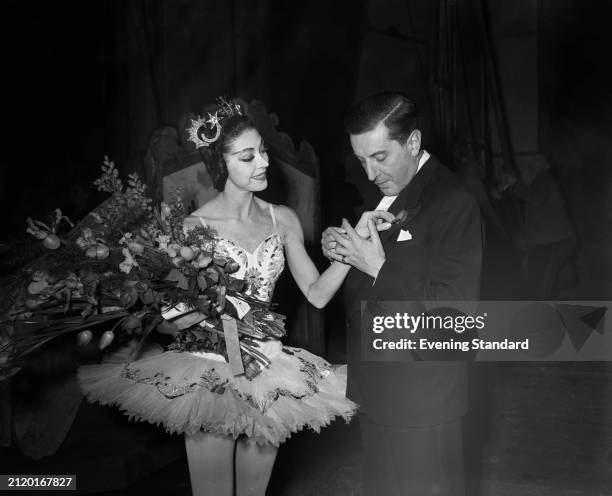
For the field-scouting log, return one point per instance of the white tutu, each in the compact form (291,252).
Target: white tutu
(189,392)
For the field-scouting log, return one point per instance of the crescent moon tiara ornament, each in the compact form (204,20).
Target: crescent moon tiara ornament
(213,120)
(197,130)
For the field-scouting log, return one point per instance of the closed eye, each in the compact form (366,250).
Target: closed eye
(380,158)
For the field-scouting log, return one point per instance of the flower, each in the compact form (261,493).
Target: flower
(125,239)
(86,239)
(163,240)
(94,292)
(132,324)
(37,287)
(41,275)
(173,249)
(37,229)
(45,233)
(73,282)
(128,297)
(109,181)
(129,262)
(136,248)
(59,217)
(165,210)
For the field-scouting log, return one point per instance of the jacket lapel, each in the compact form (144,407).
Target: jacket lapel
(408,199)
(390,234)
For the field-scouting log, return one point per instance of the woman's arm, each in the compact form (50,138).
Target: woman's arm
(318,288)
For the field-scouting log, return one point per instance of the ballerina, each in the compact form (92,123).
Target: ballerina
(234,425)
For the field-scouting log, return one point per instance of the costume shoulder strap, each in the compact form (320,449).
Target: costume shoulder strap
(273,216)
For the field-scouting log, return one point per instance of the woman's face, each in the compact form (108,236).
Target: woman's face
(247,161)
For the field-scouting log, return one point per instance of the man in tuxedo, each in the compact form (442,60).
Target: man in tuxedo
(410,411)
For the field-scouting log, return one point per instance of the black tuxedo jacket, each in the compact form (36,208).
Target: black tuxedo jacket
(441,262)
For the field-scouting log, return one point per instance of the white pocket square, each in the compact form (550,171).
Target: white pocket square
(404,235)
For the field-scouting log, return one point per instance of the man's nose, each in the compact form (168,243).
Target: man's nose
(371,172)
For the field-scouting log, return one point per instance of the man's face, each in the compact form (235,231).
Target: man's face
(391,165)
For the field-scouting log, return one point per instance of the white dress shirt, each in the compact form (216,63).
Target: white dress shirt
(386,201)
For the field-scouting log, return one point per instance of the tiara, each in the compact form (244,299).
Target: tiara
(204,131)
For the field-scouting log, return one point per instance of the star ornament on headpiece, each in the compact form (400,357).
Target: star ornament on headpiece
(205,131)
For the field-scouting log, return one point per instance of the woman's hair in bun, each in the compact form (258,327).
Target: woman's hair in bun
(212,156)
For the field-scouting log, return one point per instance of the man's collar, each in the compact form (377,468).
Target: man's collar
(424,157)
(410,195)
(387,201)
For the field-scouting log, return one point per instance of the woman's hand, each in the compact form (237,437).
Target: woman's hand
(365,254)
(382,220)
(330,237)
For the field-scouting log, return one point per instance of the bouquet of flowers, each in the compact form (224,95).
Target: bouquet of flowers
(128,268)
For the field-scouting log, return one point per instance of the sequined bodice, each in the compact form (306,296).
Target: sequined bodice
(260,268)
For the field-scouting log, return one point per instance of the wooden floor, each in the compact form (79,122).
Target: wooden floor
(545,437)
(535,429)
(551,430)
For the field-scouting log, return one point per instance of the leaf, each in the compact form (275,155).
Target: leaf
(167,327)
(235,284)
(232,267)
(202,284)
(147,297)
(212,275)
(178,277)
(151,325)
(203,305)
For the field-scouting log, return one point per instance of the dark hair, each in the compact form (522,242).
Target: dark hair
(212,156)
(398,113)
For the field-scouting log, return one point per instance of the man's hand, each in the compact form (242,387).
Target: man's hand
(367,255)
(331,235)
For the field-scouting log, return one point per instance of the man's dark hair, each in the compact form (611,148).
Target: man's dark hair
(398,112)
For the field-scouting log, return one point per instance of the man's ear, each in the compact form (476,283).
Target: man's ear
(414,142)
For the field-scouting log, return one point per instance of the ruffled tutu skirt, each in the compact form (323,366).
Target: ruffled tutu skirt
(190,392)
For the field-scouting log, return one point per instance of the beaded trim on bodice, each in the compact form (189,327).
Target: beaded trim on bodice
(260,268)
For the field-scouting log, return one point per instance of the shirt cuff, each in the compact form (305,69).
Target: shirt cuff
(379,270)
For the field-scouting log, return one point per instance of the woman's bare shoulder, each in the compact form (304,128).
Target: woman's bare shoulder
(285,213)
(205,213)
(287,219)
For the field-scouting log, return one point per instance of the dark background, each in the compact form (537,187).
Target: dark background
(86,79)
(82,80)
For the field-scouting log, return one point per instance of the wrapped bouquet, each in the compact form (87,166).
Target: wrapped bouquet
(128,268)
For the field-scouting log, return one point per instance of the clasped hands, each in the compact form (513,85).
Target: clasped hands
(360,246)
